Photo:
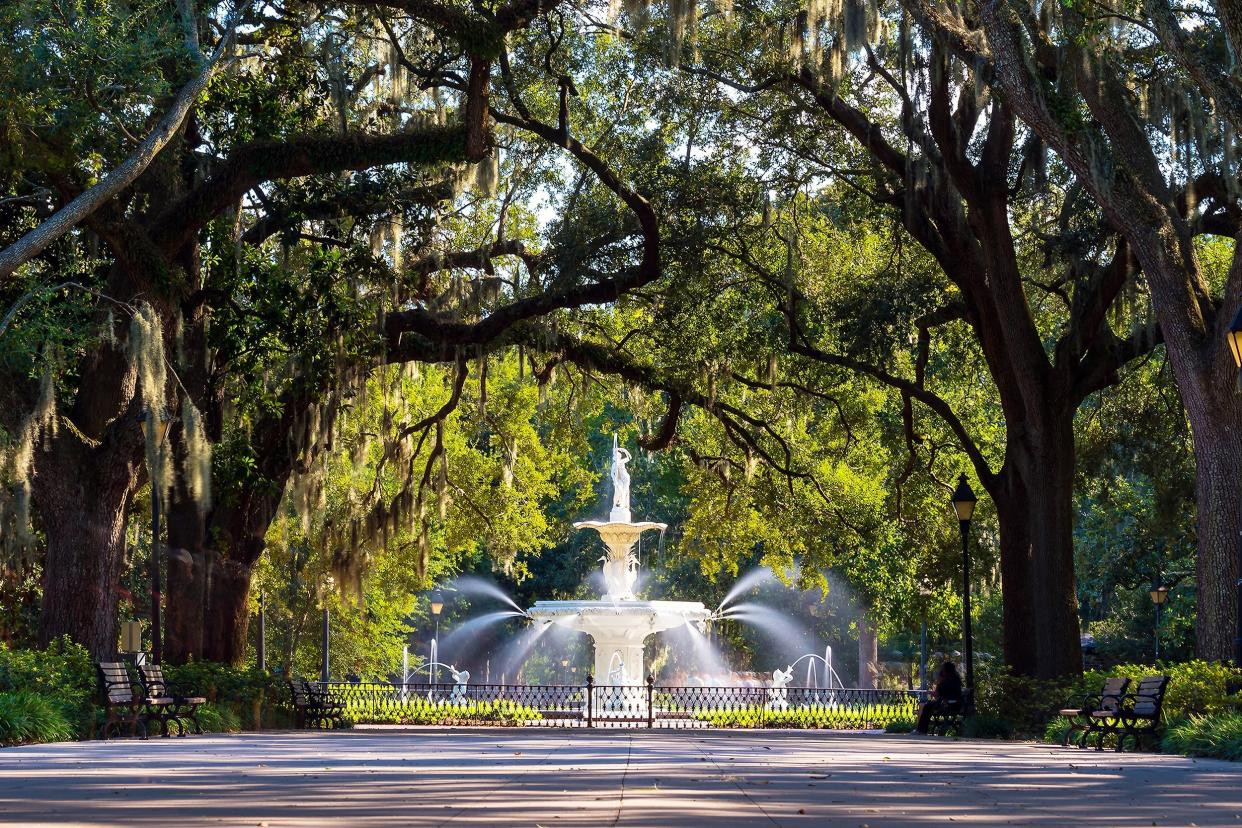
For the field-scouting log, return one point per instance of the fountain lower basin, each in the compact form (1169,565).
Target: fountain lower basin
(619,629)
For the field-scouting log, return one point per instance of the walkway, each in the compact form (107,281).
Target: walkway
(514,777)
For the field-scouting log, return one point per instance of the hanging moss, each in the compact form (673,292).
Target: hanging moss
(197,461)
(17,466)
(146,353)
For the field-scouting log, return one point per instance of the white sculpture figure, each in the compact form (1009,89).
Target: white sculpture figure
(617,681)
(620,575)
(620,484)
(460,679)
(616,676)
(778,695)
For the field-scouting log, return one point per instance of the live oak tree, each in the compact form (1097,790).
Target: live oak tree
(835,96)
(148,242)
(1136,101)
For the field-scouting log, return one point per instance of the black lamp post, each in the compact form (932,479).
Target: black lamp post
(963,500)
(261,655)
(1235,348)
(325,670)
(437,606)
(154,428)
(1159,597)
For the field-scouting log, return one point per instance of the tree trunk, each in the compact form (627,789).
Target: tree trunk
(1035,513)
(210,561)
(83,491)
(208,607)
(1213,410)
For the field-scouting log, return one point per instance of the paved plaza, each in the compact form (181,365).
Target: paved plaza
(524,777)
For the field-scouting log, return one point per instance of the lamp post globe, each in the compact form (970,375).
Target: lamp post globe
(1159,597)
(437,606)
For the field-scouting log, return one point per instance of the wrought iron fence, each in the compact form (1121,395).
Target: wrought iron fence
(605,706)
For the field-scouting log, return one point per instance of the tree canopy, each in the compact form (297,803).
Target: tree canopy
(392,271)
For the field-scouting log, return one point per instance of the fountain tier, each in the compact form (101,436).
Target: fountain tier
(619,630)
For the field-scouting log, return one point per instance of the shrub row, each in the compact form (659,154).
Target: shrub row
(50,695)
(423,712)
(813,717)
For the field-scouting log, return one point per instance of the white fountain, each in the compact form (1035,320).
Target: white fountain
(620,623)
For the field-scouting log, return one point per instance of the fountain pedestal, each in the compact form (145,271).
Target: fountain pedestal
(618,630)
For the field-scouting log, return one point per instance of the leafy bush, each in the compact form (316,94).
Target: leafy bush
(1055,730)
(1025,704)
(903,725)
(1218,735)
(27,717)
(247,694)
(986,726)
(63,673)
(421,711)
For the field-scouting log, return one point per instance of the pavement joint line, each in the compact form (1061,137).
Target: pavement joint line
(629,753)
(733,778)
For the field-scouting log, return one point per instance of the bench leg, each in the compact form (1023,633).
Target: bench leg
(1074,729)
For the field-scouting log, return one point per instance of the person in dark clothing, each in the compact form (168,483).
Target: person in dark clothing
(946,697)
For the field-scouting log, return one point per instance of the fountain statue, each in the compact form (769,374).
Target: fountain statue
(461,678)
(620,484)
(778,694)
(620,623)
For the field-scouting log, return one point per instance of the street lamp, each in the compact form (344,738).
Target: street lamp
(325,672)
(155,428)
(261,656)
(437,606)
(1235,348)
(1159,597)
(963,500)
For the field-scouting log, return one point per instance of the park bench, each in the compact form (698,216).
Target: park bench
(122,702)
(181,710)
(1138,716)
(314,705)
(1082,720)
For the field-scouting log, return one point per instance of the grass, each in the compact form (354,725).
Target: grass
(29,718)
(1218,736)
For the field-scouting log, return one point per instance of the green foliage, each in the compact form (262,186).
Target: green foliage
(1196,688)
(423,712)
(1218,736)
(813,717)
(235,696)
(1023,703)
(903,725)
(986,726)
(27,717)
(63,673)
(1029,706)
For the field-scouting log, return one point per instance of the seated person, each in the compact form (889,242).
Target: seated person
(946,697)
